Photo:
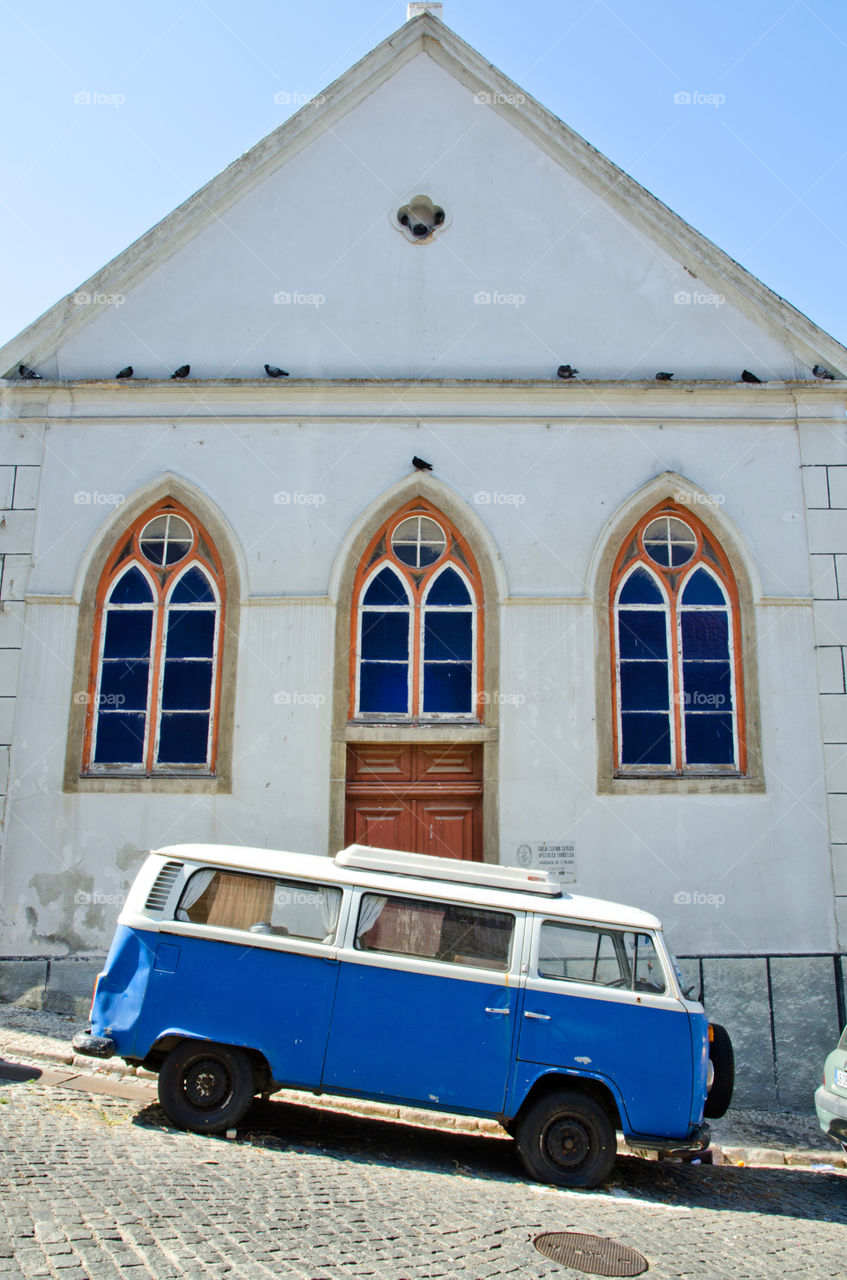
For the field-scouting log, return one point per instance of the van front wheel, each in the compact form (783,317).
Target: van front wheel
(205,1087)
(568,1139)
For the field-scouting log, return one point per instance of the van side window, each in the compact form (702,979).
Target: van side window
(435,931)
(607,957)
(261,905)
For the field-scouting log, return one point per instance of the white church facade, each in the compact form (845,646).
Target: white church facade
(419,590)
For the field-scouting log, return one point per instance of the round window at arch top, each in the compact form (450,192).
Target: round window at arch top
(669,542)
(166,539)
(418,541)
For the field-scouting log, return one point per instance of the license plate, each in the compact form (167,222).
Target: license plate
(840,1078)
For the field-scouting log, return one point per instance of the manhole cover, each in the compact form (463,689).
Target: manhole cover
(594,1254)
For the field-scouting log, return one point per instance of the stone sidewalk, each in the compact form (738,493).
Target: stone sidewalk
(743,1137)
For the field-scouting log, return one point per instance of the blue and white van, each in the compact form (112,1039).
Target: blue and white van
(450,985)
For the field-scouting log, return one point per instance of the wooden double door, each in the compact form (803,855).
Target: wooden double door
(422,798)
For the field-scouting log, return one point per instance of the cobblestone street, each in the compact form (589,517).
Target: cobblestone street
(98,1188)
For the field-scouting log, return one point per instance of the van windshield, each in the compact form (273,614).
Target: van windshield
(261,905)
(453,932)
(606,957)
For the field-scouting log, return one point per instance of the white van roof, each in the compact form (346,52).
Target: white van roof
(485,884)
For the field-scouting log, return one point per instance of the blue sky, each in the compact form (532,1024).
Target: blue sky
(757,160)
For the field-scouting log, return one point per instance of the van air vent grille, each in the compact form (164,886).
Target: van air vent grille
(157,898)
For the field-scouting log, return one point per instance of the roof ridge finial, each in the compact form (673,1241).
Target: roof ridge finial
(424,6)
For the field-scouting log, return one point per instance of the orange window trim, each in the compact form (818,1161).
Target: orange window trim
(379,553)
(127,549)
(631,553)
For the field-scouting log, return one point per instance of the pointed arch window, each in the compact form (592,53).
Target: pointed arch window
(154,686)
(676,651)
(417,605)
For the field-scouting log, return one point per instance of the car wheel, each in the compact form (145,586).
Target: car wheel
(568,1139)
(206,1087)
(723,1061)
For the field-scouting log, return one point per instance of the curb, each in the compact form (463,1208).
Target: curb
(115,1079)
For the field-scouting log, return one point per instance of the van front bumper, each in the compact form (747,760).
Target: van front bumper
(94,1046)
(698,1141)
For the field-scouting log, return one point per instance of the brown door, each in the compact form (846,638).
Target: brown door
(423,798)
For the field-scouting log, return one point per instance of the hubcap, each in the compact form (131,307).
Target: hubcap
(567,1142)
(206,1083)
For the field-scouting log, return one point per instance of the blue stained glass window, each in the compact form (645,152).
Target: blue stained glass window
(183,738)
(447,688)
(447,636)
(708,739)
(644,686)
(384,687)
(191,633)
(187,686)
(448,588)
(646,739)
(131,588)
(386,589)
(123,684)
(705,634)
(385,636)
(642,634)
(193,588)
(120,738)
(641,588)
(707,686)
(128,633)
(702,588)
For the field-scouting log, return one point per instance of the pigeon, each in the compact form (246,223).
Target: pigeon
(25,372)
(819,371)
(566,371)
(420,465)
(125,373)
(747,376)
(272,371)
(663,377)
(182,372)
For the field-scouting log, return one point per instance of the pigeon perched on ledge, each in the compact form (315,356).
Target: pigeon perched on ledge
(125,373)
(821,373)
(30,374)
(663,377)
(273,372)
(566,371)
(182,372)
(747,376)
(420,465)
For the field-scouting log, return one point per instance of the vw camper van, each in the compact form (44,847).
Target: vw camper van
(449,985)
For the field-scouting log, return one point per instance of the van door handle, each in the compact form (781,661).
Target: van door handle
(542,1017)
(487,1010)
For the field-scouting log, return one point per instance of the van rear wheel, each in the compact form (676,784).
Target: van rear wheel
(723,1061)
(568,1139)
(206,1087)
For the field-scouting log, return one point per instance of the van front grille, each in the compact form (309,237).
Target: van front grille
(157,898)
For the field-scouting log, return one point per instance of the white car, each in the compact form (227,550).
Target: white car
(831,1096)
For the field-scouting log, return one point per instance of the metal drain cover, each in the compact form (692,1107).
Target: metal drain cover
(594,1254)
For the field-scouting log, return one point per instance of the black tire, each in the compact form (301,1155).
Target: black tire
(568,1139)
(206,1087)
(723,1060)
